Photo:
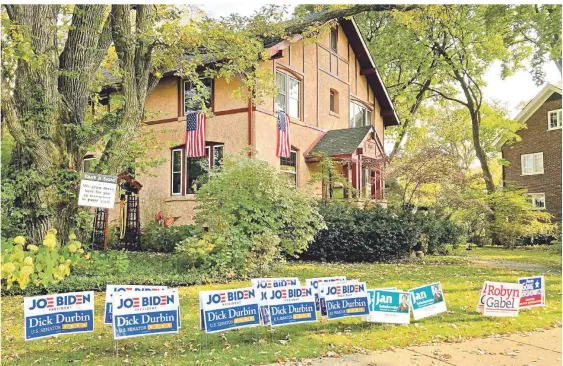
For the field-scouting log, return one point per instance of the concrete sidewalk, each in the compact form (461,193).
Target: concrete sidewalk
(534,348)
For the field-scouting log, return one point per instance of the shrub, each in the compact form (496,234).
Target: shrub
(107,262)
(156,238)
(255,217)
(40,265)
(363,235)
(439,232)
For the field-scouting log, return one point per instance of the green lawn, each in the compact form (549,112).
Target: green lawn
(461,280)
(540,254)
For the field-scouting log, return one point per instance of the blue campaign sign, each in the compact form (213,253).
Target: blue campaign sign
(289,305)
(427,300)
(533,292)
(267,283)
(390,306)
(112,289)
(55,314)
(318,283)
(228,309)
(345,299)
(137,314)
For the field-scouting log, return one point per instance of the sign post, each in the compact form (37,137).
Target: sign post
(50,315)
(97,190)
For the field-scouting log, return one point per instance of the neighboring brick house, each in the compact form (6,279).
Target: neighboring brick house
(535,162)
(333,94)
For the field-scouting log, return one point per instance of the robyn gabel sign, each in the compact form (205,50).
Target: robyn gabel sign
(345,299)
(318,283)
(533,292)
(50,315)
(112,289)
(500,299)
(137,314)
(288,305)
(228,309)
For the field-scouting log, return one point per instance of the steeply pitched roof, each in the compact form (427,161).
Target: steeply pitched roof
(538,100)
(340,142)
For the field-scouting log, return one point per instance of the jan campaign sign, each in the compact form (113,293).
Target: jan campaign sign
(137,314)
(289,305)
(345,299)
(112,289)
(427,300)
(533,292)
(318,283)
(501,298)
(228,309)
(97,190)
(390,306)
(55,314)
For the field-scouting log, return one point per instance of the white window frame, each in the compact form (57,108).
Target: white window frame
(367,112)
(172,172)
(285,92)
(292,151)
(212,158)
(559,119)
(535,170)
(84,161)
(186,81)
(533,196)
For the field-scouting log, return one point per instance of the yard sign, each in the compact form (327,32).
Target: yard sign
(371,298)
(289,305)
(390,306)
(50,315)
(138,314)
(265,284)
(97,190)
(228,309)
(501,299)
(533,292)
(345,299)
(427,300)
(112,289)
(317,284)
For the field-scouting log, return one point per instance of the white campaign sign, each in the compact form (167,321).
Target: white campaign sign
(97,190)
(501,299)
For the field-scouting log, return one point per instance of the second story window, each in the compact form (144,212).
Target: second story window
(289,94)
(554,119)
(334,39)
(288,167)
(532,163)
(334,101)
(359,115)
(190,92)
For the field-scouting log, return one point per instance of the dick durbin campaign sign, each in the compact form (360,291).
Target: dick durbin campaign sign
(500,298)
(113,289)
(55,314)
(289,305)
(228,309)
(318,283)
(390,306)
(345,299)
(533,292)
(427,300)
(137,314)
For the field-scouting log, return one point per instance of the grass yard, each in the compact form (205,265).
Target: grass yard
(460,277)
(539,254)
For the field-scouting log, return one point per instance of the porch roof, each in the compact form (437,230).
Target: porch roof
(342,142)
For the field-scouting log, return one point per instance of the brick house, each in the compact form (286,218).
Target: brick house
(535,161)
(337,105)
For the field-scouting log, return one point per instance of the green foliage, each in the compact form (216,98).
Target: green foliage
(194,250)
(440,234)
(254,216)
(356,234)
(109,263)
(39,265)
(156,238)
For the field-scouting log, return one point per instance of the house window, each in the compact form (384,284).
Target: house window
(288,167)
(538,200)
(334,101)
(359,115)
(88,164)
(177,172)
(334,39)
(289,95)
(190,92)
(532,163)
(554,119)
(193,173)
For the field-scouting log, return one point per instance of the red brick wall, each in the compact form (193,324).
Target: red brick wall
(537,138)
